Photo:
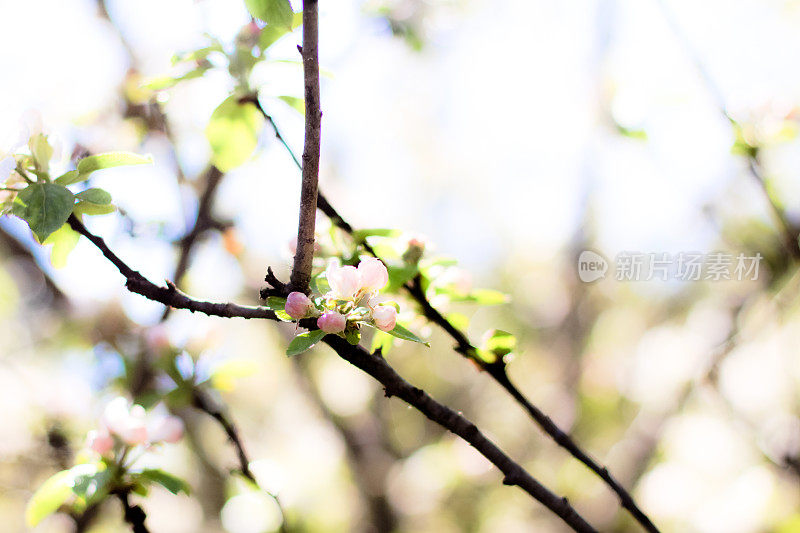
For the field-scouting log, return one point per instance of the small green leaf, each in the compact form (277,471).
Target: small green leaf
(95,195)
(167,82)
(458,320)
(361,234)
(296,103)
(47,207)
(353,336)
(488,297)
(500,343)
(283,316)
(304,341)
(276,303)
(277,12)
(68,178)
(269,35)
(172,483)
(51,495)
(233,133)
(41,151)
(64,241)
(93,163)
(87,208)
(402,333)
(381,340)
(400,275)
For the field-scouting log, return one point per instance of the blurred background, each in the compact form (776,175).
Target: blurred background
(512,135)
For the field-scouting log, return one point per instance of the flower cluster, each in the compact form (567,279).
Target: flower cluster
(129,425)
(349,300)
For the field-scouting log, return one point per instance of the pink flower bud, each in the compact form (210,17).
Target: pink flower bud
(298,305)
(166,428)
(344,281)
(384,317)
(100,441)
(332,322)
(374,275)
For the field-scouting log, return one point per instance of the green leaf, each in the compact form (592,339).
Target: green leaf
(353,336)
(304,341)
(458,320)
(93,163)
(500,343)
(296,103)
(197,55)
(276,12)
(283,316)
(95,195)
(172,483)
(402,333)
(399,275)
(269,35)
(167,82)
(68,178)
(381,340)
(51,495)
(361,234)
(233,133)
(88,208)
(47,207)
(64,241)
(488,297)
(90,482)
(276,303)
(41,151)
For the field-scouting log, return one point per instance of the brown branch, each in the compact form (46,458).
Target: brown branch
(496,370)
(301,271)
(134,515)
(372,364)
(169,295)
(377,367)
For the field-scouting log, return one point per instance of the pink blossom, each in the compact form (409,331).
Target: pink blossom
(332,322)
(385,317)
(100,441)
(166,428)
(374,275)
(125,421)
(345,281)
(298,305)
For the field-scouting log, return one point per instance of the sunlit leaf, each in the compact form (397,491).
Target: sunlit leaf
(68,178)
(233,133)
(167,82)
(296,103)
(51,495)
(361,234)
(275,303)
(95,195)
(63,241)
(88,208)
(277,12)
(93,163)
(500,342)
(224,375)
(304,341)
(353,336)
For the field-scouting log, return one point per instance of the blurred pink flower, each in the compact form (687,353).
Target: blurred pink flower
(374,275)
(332,322)
(385,317)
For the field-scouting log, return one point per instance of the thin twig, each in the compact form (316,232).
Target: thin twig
(202,402)
(372,364)
(301,271)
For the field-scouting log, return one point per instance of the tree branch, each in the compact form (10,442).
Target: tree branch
(372,364)
(496,370)
(134,515)
(301,271)
(169,295)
